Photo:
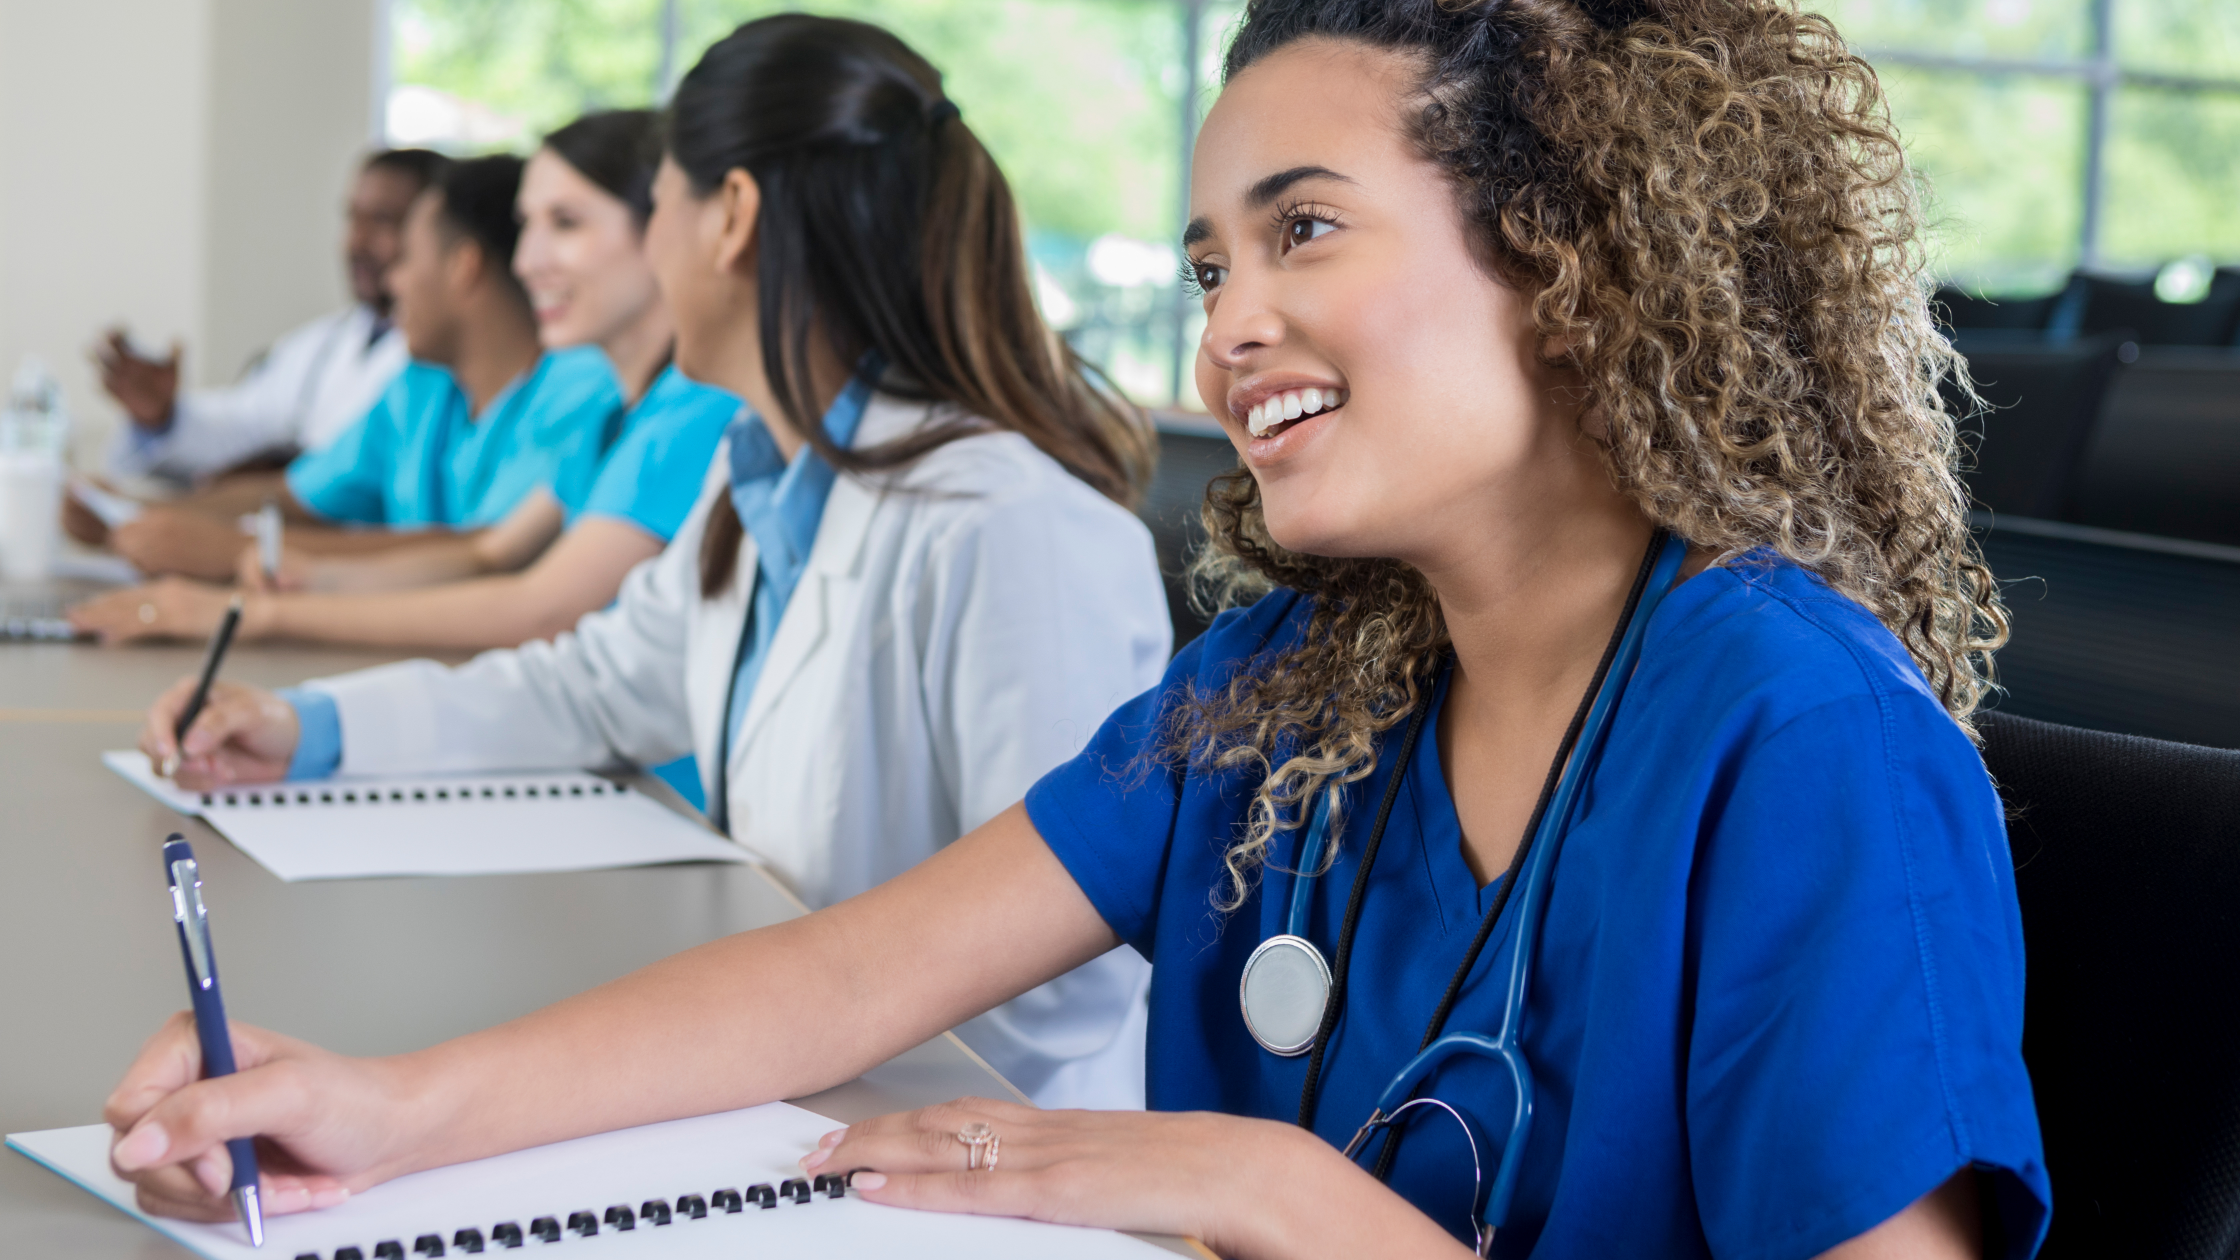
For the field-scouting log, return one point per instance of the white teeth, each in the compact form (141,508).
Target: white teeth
(1270,412)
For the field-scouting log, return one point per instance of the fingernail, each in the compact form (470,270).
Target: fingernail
(142,1147)
(832,1139)
(332,1196)
(170,766)
(814,1158)
(867,1181)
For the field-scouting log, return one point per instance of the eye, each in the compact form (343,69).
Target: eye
(1302,227)
(1199,278)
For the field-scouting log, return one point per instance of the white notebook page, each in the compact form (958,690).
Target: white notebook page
(732,1150)
(486,824)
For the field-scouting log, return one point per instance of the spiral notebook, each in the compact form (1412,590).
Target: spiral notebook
(721,1185)
(490,824)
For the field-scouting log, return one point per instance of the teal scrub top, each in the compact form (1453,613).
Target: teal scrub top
(652,477)
(418,459)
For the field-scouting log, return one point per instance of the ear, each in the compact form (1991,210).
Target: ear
(742,212)
(1556,352)
(462,265)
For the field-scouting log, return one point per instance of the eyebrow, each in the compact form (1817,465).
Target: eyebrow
(1273,186)
(1261,193)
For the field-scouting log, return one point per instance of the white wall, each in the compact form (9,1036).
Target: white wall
(178,165)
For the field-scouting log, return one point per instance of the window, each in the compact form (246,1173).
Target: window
(2064,133)
(1081,101)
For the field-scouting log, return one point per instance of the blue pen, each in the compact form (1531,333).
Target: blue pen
(210,1014)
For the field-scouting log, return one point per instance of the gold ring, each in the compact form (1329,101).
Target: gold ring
(995,1148)
(147,614)
(975,1136)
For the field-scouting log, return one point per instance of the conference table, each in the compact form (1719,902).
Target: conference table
(366,966)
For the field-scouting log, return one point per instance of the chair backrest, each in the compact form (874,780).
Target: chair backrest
(2112,303)
(2043,404)
(2118,632)
(1189,457)
(2127,864)
(1960,309)
(2165,458)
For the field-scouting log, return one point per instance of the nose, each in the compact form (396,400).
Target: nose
(1243,323)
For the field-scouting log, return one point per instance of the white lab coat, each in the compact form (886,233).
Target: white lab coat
(314,383)
(962,627)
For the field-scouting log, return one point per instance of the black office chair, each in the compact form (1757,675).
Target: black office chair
(1188,459)
(2043,404)
(2165,458)
(1957,309)
(2112,303)
(2127,861)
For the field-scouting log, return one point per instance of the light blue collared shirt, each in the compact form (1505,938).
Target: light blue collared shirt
(781,505)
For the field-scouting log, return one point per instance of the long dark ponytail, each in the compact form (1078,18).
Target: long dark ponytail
(885,227)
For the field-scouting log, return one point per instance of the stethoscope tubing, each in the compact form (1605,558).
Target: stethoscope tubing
(1535,882)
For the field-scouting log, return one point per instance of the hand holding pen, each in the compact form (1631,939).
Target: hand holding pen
(193,919)
(204,1090)
(200,696)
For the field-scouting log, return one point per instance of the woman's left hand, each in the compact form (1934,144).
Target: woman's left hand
(1241,1186)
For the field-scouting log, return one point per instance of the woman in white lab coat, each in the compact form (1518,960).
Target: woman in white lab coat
(910,587)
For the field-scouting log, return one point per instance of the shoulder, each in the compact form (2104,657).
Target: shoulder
(416,389)
(673,394)
(576,379)
(677,409)
(993,479)
(1760,646)
(318,332)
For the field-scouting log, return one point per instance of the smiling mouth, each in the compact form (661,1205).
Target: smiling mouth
(1279,410)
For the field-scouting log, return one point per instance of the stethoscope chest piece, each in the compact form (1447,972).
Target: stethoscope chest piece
(1286,987)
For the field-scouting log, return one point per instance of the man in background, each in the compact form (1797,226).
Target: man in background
(314,382)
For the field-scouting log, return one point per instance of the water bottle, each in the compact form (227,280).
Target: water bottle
(34,433)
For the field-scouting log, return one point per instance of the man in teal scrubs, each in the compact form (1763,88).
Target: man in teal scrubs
(481,416)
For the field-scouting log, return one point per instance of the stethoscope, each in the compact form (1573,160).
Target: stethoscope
(1287,986)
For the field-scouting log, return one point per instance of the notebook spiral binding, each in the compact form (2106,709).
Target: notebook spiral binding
(280,795)
(507,1235)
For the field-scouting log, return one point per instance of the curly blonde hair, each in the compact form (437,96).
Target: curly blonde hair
(1711,209)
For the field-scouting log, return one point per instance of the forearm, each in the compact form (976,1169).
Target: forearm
(412,560)
(774,1013)
(1295,1197)
(230,497)
(328,540)
(491,612)
(578,575)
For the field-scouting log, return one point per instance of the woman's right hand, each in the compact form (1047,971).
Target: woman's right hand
(243,735)
(328,1126)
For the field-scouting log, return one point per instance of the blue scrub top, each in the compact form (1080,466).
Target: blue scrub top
(653,475)
(418,458)
(1779,992)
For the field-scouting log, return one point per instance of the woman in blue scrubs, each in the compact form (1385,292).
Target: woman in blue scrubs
(1499,297)
(584,202)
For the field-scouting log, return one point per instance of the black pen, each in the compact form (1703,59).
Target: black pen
(210,1013)
(219,642)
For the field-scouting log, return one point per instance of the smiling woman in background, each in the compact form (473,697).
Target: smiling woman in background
(585,197)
